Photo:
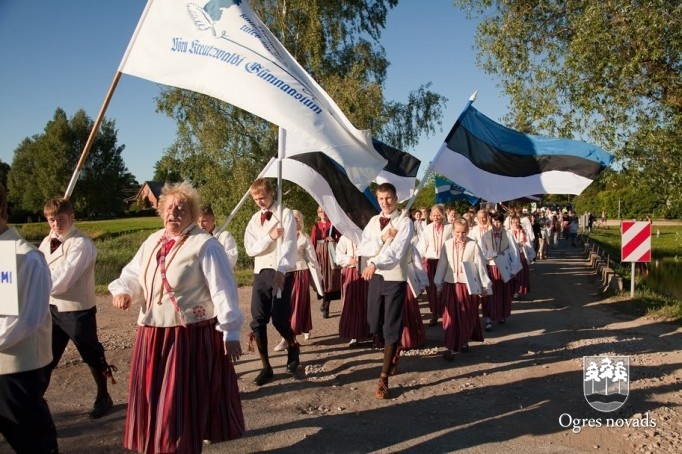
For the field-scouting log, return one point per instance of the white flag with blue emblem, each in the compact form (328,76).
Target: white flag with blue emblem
(222,49)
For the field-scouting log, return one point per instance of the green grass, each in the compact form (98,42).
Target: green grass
(657,286)
(117,241)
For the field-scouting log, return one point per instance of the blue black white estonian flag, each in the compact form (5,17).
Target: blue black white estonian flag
(400,170)
(447,191)
(497,163)
(348,208)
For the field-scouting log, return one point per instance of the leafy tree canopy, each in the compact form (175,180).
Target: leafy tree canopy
(221,148)
(4,170)
(606,71)
(43,165)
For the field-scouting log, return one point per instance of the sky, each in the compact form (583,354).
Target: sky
(65,54)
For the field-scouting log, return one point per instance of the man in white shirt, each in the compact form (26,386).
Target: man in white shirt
(386,240)
(25,419)
(274,280)
(207,223)
(71,255)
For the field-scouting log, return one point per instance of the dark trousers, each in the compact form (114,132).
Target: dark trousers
(25,418)
(385,301)
(81,328)
(266,305)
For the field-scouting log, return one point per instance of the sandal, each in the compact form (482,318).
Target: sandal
(382,388)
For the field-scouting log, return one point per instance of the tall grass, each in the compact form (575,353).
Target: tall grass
(117,241)
(657,285)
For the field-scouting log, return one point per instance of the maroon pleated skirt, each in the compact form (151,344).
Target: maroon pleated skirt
(330,271)
(498,305)
(435,303)
(461,321)
(301,318)
(414,334)
(523,277)
(183,390)
(353,322)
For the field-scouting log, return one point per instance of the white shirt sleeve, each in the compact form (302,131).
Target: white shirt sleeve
(342,255)
(230,246)
(81,255)
(390,255)
(287,252)
(223,289)
(34,294)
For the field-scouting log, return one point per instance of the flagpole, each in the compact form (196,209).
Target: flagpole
(242,201)
(281,139)
(91,138)
(421,184)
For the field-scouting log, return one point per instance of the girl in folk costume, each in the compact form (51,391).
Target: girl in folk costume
(430,244)
(301,319)
(482,225)
(322,234)
(526,253)
(414,334)
(451,215)
(353,322)
(461,322)
(499,249)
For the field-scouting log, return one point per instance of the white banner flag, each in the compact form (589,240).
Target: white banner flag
(222,49)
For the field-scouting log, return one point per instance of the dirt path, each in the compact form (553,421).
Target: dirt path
(508,393)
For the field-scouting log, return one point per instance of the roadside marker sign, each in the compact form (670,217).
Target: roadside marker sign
(635,241)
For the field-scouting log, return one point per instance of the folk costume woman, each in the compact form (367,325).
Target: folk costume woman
(526,253)
(322,234)
(183,387)
(301,318)
(353,322)
(431,242)
(461,321)
(499,249)
(414,333)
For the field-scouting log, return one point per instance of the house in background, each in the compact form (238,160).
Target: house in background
(148,195)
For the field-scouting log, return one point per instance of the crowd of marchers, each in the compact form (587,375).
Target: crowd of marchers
(183,389)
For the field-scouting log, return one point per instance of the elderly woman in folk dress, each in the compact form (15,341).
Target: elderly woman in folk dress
(461,321)
(430,244)
(322,234)
(183,387)
(499,249)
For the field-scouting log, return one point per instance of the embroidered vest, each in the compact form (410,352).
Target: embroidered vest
(35,350)
(81,295)
(185,278)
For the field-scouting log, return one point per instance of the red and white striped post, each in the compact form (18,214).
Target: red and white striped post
(635,246)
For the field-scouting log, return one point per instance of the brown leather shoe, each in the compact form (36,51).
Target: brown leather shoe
(101,407)
(264,376)
(382,388)
(448,355)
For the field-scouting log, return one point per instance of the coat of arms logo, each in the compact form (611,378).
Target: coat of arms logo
(606,381)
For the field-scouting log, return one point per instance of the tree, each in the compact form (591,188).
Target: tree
(607,71)
(4,170)
(43,165)
(221,148)
(167,169)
